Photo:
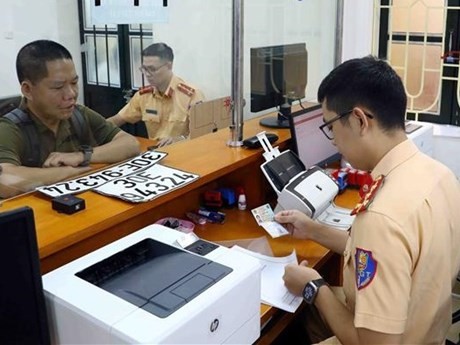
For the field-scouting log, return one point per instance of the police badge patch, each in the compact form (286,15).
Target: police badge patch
(366,267)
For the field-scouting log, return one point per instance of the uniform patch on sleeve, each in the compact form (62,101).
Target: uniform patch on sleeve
(366,267)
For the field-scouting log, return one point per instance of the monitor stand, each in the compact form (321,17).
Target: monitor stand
(281,121)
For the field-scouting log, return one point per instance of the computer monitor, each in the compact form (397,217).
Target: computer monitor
(23,318)
(278,77)
(308,142)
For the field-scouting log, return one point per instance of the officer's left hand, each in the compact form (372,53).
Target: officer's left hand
(297,276)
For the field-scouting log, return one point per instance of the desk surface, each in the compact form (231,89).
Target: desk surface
(62,238)
(207,156)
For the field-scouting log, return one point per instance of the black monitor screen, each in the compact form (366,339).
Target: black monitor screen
(23,318)
(310,144)
(278,74)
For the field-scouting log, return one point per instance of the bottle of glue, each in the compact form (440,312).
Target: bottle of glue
(241,199)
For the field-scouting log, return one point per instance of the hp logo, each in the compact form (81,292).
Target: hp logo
(214,325)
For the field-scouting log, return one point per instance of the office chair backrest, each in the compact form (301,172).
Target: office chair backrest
(8,104)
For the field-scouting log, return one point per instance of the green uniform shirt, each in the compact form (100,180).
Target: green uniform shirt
(13,145)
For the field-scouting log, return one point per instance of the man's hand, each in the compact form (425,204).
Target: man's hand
(58,159)
(170,140)
(15,180)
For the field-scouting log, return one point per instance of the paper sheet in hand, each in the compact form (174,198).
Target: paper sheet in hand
(273,291)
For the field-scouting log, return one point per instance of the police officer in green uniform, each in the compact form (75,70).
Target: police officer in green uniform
(165,104)
(68,136)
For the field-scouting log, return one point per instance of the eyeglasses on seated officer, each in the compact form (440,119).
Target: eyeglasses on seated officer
(150,70)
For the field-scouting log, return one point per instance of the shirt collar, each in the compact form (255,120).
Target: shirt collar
(63,124)
(395,157)
(170,89)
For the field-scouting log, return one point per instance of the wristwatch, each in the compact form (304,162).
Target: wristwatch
(311,290)
(87,154)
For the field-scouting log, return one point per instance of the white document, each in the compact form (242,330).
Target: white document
(273,291)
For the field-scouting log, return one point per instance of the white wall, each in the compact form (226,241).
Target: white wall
(357,28)
(26,20)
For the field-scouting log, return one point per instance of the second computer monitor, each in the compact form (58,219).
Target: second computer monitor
(278,77)
(310,144)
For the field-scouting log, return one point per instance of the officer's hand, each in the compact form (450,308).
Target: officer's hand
(297,276)
(297,223)
(58,159)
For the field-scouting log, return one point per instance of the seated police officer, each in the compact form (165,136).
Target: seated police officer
(165,104)
(49,137)
(401,255)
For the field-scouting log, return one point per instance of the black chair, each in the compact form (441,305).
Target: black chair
(9,103)
(455,315)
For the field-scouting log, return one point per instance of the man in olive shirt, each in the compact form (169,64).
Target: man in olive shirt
(69,136)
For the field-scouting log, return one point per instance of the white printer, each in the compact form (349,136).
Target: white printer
(421,133)
(145,289)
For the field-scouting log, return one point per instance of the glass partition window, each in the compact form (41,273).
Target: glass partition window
(202,41)
(202,44)
(102,54)
(136,45)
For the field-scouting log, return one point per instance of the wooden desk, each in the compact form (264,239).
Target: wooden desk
(62,238)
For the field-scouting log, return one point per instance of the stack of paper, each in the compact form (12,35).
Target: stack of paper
(273,291)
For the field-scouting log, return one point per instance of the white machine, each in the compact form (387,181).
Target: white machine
(310,191)
(421,133)
(145,289)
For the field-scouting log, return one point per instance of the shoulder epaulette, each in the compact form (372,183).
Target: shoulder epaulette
(189,91)
(146,89)
(364,204)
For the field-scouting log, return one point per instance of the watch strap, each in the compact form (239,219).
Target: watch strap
(87,154)
(311,289)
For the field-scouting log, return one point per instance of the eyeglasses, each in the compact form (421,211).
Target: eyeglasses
(326,127)
(150,70)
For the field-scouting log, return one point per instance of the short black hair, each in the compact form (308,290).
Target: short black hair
(162,50)
(368,82)
(32,58)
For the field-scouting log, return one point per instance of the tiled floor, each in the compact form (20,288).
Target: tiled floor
(454,330)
